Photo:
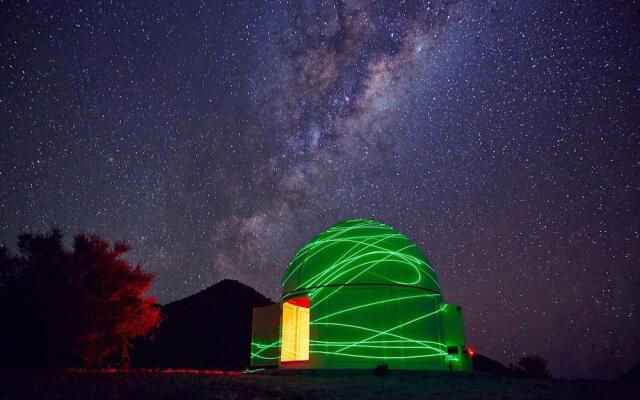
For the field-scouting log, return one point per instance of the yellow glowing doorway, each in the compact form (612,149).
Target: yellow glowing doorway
(295,330)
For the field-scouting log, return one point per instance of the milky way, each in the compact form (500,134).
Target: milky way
(503,137)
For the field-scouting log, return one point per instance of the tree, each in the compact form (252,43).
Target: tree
(532,366)
(71,308)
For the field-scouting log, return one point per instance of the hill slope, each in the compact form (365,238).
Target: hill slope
(485,364)
(632,375)
(210,329)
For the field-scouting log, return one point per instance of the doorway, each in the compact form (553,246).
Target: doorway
(295,330)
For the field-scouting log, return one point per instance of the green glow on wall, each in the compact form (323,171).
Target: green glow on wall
(374,298)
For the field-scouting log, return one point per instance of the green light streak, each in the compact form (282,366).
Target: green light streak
(373,304)
(251,371)
(378,358)
(391,329)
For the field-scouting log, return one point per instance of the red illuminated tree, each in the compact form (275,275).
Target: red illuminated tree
(73,307)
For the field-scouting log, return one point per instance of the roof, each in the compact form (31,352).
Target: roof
(359,252)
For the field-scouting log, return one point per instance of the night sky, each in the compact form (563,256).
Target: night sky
(502,136)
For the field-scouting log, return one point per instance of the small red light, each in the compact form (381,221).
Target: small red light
(470,351)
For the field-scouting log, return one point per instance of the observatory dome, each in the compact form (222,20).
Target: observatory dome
(359,252)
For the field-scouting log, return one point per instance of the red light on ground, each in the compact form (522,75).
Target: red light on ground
(155,371)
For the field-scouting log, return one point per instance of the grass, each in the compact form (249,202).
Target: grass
(348,385)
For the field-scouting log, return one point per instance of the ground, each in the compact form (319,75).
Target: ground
(324,386)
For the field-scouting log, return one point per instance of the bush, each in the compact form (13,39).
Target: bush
(532,366)
(381,370)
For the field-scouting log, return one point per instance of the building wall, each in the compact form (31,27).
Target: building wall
(453,334)
(265,336)
(362,326)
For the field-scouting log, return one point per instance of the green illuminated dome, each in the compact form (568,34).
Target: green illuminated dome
(359,295)
(359,252)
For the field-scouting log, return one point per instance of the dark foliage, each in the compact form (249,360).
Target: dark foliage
(70,308)
(529,366)
(210,329)
(532,366)
(381,370)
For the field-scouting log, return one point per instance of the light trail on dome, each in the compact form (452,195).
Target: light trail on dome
(357,251)
(374,303)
